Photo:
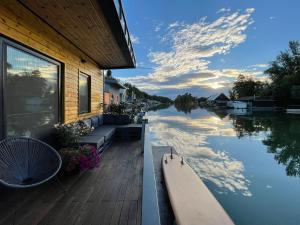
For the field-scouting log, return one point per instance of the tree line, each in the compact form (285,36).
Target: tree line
(284,79)
(138,93)
(143,95)
(186,99)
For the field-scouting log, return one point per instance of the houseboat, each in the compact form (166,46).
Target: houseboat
(259,103)
(52,61)
(237,105)
(53,57)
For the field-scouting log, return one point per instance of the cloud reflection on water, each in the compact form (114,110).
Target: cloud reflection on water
(190,138)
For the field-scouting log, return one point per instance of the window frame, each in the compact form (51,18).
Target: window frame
(4,43)
(80,73)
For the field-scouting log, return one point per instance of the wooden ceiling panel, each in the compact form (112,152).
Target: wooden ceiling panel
(84,24)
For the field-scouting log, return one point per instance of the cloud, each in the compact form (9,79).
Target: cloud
(223,10)
(272,17)
(259,65)
(158,27)
(175,24)
(186,61)
(134,39)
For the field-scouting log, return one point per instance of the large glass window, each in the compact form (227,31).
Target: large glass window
(31,94)
(84,93)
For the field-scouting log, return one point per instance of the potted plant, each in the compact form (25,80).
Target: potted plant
(76,160)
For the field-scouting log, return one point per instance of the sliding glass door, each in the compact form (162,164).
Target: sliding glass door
(31,92)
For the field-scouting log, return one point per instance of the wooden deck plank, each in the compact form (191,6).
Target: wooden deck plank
(108,195)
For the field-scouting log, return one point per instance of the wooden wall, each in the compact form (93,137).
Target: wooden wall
(19,24)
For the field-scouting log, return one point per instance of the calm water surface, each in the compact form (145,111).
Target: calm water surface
(251,162)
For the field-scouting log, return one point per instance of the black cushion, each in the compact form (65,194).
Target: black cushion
(95,122)
(116,119)
(100,120)
(104,131)
(96,141)
(87,122)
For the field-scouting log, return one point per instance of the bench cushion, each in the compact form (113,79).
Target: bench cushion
(130,131)
(116,119)
(100,119)
(104,131)
(96,141)
(87,122)
(95,121)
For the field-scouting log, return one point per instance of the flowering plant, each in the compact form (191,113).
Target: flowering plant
(89,158)
(80,159)
(69,134)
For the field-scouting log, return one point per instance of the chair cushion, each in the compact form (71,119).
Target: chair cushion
(96,141)
(95,121)
(104,131)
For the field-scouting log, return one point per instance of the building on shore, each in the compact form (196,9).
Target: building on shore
(259,103)
(219,100)
(237,105)
(113,92)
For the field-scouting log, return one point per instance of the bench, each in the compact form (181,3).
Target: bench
(108,127)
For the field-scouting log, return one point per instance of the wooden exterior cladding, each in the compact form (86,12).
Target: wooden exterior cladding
(20,25)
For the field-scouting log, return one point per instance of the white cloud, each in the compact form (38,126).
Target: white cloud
(262,65)
(158,27)
(272,17)
(223,10)
(175,24)
(134,39)
(190,47)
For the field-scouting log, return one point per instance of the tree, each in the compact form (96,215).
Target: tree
(285,73)
(185,103)
(245,86)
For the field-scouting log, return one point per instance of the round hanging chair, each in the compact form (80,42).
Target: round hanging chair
(27,162)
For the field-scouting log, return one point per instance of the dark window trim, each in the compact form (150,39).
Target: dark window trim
(2,111)
(89,92)
(4,42)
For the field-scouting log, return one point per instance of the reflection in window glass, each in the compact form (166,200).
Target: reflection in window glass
(31,94)
(84,92)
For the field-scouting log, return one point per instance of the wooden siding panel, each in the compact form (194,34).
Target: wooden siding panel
(19,24)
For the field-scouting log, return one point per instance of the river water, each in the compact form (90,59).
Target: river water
(249,161)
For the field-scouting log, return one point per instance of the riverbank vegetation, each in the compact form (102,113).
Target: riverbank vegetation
(186,99)
(186,102)
(145,96)
(283,82)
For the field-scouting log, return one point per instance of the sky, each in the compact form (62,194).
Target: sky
(201,46)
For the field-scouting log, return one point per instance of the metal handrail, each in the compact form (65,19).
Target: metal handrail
(121,14)
(150,208)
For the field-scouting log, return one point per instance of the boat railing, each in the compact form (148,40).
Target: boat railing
(121,14)
(150,208)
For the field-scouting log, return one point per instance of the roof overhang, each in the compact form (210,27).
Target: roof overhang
(97,27)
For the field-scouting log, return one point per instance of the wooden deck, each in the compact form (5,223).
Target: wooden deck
(108,195)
